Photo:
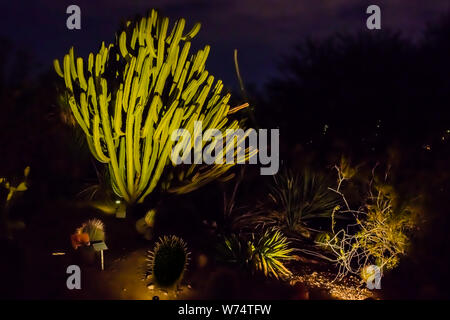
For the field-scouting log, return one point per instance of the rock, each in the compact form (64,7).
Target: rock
(151,287)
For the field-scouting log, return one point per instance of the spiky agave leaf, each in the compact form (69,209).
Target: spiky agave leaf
(233,249)
(168,262)
(302,197)
(269,251)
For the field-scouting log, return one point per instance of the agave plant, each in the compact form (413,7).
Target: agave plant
(303,197)
(296,199)
(133,94)
(264,252)
(268,253)
(234,249)
(168,262)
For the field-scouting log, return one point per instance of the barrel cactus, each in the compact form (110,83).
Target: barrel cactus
(167,262)
(132,94)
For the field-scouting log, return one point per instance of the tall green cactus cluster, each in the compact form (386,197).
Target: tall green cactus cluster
(131,95)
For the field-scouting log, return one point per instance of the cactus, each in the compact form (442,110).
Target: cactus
(168,262)
(130,96)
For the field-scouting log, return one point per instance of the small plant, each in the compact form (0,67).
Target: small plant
(168,262)
(95,229)
(268,251)
(302,197)
(261,253)
(90,231)
(297,198)
(381,233)
(9,192)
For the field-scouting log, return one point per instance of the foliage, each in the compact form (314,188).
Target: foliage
(234,249)
(10,192)
(145,225)
(268,251)
(134,94)
(296,198)
(168,262)
(264,252)
(322,239)
(303,197)
(381,233)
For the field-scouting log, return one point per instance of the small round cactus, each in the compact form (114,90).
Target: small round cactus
(167,262)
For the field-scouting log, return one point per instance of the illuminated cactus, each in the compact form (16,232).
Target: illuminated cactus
(134,94)
(168,262)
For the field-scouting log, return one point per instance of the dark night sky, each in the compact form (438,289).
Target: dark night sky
(262,30)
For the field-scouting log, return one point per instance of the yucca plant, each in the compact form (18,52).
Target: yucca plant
(168,262)
(264,252)
(234,249)
(130,96)
(301,197)
(295,199)
(268,252)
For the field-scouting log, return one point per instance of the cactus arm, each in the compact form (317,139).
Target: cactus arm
(129,141)
(109,140)
(191,34)
(83,83)
(57,67)
(118,112)
(73,70)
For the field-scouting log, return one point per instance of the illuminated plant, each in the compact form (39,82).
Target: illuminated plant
(268,253)
(380,235)
(322,239)
(10,192)
(168,262)
(264,252)
(95,229)
(130,96)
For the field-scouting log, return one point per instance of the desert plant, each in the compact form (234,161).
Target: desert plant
(268,253)
(234,249)
(302,197)
(94,228)
(296,199)
(262,252)
(10,192)
(381,233)
(134,94)
(168,262)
